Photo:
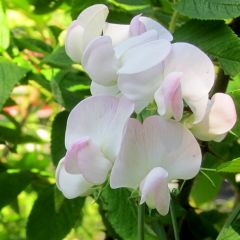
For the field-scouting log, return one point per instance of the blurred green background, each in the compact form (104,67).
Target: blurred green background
(39,85)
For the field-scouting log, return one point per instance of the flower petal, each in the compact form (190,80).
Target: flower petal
(71,185)
(99,61)
(100,90)
(102,119)
(220,117)
(117,32)
(137,27)
(139,75)
(169,97)
(196,67)
(154,190)
(85,158)
(151,24)
(156,143)
(148,36)
(198,107)
(88,25)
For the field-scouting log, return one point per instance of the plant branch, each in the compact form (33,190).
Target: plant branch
(141,214)
(174,221)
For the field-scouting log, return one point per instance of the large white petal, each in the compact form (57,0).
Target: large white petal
(148,36)
(100,62)
(117,32)
(71,185)
(100,118)
(100,90)
(139,76)
(154,190)
(156,143)
(196,67)
(220,117)
(151,24)
(169,97)
(88,25)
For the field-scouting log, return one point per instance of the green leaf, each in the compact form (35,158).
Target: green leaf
(33,45)
(4,30)
(216,39)
(57,137)
(231,228)
(209,9)
(230,167)
(231,233)
(120,211)
(15,136)
(52,218)
(70,87)
(58,58)
(48,6)
(203,190)
(10,74)
(11,184)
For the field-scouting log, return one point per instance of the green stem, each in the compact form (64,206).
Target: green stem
(141,213)
(230,219)
(172,24)
(174,221)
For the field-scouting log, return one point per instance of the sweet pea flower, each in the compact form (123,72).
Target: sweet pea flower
(187,74)
(112,56)
(151,155)
(219,118)
(93,136)
(91,23)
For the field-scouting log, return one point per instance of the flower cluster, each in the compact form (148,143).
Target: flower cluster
(132,66)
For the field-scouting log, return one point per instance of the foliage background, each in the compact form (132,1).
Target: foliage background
(39,85)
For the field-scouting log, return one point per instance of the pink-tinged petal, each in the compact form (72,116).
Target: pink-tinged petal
(155,143)
(100,118)
(148,36)
(137,27)
(71,157)
(139,76)
(196,67)
(154,190)
(71,185)
(151,24)
(117,32)
(99,61)
(169,97)
(100,90)
(88,25)
(220,118)
(85,158)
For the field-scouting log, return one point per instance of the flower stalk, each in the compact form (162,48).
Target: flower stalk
(174,221)
(141,215)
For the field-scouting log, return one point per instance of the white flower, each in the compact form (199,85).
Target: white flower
(151,155)
(93,136)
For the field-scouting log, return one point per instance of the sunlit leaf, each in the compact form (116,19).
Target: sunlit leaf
(209,9)
(4,30)
(10,74)
(230,167)
(51,222)
(11,184)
